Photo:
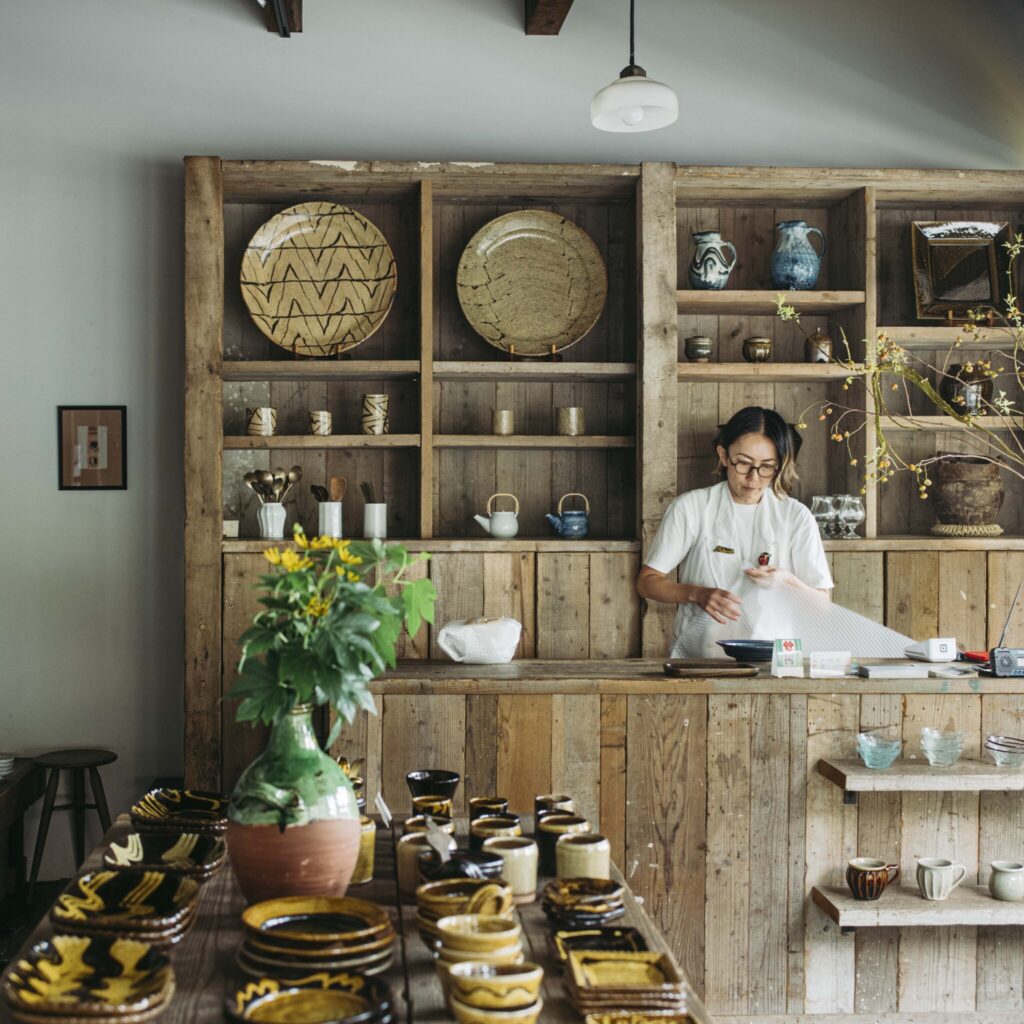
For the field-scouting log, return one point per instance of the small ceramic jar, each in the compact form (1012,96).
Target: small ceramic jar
(818,348)
(583,855)
(757,350)
(698,348)
(363,872)
(495,825)
(409,847)
(486,806)
(1007,880)
(519,857)
(548,830)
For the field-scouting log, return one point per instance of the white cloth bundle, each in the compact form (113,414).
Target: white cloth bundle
(480,641)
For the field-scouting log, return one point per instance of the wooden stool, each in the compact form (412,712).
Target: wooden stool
(77,762)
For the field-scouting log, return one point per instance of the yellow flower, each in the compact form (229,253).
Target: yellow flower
(353,577)
(292,561)
(273,556)
(317,606)
(300,538)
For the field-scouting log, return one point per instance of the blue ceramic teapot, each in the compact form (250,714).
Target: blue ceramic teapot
(572,524)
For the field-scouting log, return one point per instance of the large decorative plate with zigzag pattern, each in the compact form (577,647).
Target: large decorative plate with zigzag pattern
(318,278)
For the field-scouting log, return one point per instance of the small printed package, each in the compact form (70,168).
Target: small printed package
(830,664)
(788,659)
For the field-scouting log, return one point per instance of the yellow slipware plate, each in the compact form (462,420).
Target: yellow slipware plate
(316,921)
(531,280)
(313,1000)
(153,901)
(182,810)
(187,853)
(601,969)
(318,278)
(87,974)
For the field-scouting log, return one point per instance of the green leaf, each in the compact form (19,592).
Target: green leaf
(335,731)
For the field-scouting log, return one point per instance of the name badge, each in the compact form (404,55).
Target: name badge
(720,550)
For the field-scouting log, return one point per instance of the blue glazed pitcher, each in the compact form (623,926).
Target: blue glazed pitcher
(571,524)
(795,263)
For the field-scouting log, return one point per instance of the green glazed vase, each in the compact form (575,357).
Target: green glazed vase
(293,820)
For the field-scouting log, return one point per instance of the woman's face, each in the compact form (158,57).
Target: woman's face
(745,455)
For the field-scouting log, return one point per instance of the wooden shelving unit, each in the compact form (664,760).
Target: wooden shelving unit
(750,302)
(767,373)
(936,423)
(550,372)
(536,442)
(966,776)
(319,370)
(308,441)
(943,337)
(905,907)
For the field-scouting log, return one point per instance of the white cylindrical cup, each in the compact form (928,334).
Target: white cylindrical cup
(519,864)
(271,516)
(375,521)
(583,855)
(503,422)
(320,422)
(375,418)
(261,421)
(569,420)
(330,519)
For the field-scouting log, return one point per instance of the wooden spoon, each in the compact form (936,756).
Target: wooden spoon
(338,487)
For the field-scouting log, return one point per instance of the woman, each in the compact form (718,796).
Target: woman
(746,527)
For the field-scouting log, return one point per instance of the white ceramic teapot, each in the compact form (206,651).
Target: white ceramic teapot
(500,524)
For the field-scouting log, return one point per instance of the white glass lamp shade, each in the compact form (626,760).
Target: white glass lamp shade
(634,103)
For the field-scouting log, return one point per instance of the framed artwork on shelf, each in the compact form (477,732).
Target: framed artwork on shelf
(92,452)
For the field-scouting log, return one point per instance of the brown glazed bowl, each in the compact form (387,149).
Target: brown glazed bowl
(757,350)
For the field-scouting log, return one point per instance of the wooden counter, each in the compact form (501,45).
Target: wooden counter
(711,795)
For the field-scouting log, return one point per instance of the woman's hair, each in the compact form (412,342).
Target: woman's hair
(756,420)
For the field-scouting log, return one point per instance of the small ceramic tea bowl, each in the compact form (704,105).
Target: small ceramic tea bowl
(434,804)
(496,986)
(463,896)
(478,932)
(433,781)
(418,823)
(478,1015)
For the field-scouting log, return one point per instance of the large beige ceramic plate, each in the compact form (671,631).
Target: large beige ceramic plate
(318,278)
(531,282)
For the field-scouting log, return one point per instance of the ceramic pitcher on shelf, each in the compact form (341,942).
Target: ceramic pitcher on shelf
(709,269)
(795,263)
(500,524)
(572,524)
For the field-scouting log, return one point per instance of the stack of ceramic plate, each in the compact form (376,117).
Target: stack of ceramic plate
(451,896)
(622,940)
(6,765)
(152,906)
(183,853)
(342,998)
(89,977)
(484,939)
(181,810)
(583,902)
(601,981)
(295,936)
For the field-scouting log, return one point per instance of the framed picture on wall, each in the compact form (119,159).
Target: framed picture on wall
(92,453)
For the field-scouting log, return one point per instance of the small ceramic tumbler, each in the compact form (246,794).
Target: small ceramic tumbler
(486,806)
(1007,880)
(271,516)
(698,348)
(432,803)
(550,827)
(320,422)
(330,518)
(552,803)
(503,422)
(583,855)
(409,848)
(418,823)
(375,414)
(261,421)
(363,872)
(519,864)
(496,825)
(868,877)
(569,421)
(375,520)
(938,877)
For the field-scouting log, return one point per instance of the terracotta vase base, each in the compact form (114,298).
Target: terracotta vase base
(317,859)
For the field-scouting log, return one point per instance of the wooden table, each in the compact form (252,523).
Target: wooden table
(22,788)
(206,973)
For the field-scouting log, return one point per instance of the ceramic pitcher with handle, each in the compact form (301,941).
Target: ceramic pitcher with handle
(795,263)
(709,269)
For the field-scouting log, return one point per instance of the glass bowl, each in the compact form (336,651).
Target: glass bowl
(1006,751)
(877,751)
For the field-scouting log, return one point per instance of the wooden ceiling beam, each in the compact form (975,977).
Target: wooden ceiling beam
(545,17)
(293,15)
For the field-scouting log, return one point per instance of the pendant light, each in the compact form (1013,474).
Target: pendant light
(633,102)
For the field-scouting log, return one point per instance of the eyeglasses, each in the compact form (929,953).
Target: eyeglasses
(766,470)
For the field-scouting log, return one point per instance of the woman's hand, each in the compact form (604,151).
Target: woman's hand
(721,605)
(766,576)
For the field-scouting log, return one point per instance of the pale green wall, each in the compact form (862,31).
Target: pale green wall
(99,101)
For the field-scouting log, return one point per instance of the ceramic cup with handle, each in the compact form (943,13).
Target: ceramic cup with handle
(1007,880)
(519,864)
(938,877)
(868,877)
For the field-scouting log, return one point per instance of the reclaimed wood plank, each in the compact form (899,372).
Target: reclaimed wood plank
(906,776)
(797,852)
(509,589)
(666,815)
(459,581)
(563,605)
(860,582)
(963,586)
(912,593)
(904,907)
(831,840)
(1005,571)
(614,606)
(728,969)
(612,816)
(524,749)
(426,367)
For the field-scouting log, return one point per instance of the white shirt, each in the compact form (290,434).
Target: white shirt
(712,539)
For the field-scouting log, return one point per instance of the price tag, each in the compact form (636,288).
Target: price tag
(382,809)
(788,659)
